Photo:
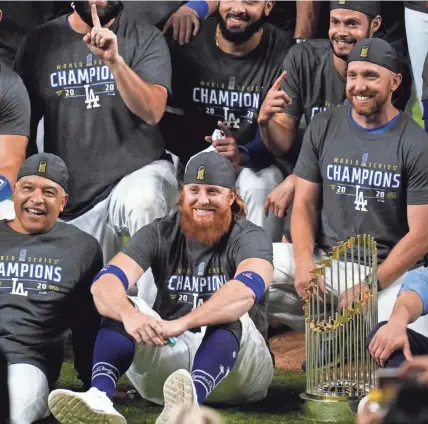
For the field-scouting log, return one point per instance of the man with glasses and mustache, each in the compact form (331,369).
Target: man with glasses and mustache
(363,169)
(219,81)
(205,338)
(101,79)
(46,268)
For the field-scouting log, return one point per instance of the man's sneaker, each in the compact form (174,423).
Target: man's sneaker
(362,404)
(91,407)
(177,390)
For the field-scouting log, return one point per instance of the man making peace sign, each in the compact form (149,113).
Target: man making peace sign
(101,80)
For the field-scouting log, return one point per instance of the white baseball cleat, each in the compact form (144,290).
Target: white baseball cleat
(362,404)
(91,407)
(177,390)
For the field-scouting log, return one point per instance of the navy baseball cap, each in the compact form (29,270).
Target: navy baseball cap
(210,168)
(370,8)
(46,165)
(378,51)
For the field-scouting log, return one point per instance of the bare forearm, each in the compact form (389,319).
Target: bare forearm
(228,304)
(277,138)
(303,229)
(307,13)
(110,298)
(12,154)
(10,172)
(143,99)
(409,250)
(408,308)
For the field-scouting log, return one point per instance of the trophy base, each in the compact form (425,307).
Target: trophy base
(330,411)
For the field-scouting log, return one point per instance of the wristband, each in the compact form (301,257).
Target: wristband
(200,7)
(246,159)
(116,271)
(5,188)
(253,281)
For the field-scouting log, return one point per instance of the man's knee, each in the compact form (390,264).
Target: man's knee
(234,327)
(283,263)
(28,402)
(250,182)
(373,332)
(117,326)
(153,189)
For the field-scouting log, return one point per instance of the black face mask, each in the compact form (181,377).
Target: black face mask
(239,37)
(105,13)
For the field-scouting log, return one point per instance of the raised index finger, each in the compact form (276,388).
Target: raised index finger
(95,19)
(225,129)
(277,83)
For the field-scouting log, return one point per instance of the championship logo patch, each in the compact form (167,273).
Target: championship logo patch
(364,51)
(201,268)
(201,173)
(42,166)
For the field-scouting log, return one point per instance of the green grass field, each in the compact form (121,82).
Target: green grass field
(282,404)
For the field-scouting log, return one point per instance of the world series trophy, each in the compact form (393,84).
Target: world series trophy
(339,369)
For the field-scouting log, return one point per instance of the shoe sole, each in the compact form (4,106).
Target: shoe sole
(68,408)
(177,390)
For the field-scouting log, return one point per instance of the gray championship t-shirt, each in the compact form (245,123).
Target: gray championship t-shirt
(14,104)
(44,289)
(314,84)
(187,273)
(368,180)
(210,85)
(86,122)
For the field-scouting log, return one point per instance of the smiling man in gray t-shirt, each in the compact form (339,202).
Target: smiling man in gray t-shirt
(363,169)
(46,268)
(316,81)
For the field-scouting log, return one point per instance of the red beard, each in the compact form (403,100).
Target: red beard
(208,232)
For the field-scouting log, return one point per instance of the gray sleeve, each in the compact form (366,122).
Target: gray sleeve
(143,246)
(152,61)
(14,105)
(425,80)
(253,243)
(307,166)
(291,83)
(416,168)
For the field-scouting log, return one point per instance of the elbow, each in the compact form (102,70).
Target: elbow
(154,119)
(96,292)
(279,151)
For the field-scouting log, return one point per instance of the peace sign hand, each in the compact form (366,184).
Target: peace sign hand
(101,41)
(274,102)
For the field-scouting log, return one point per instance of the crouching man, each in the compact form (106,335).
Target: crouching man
(205,339)
(46,270)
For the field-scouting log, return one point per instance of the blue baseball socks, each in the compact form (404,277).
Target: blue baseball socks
(214,360)
(113,355)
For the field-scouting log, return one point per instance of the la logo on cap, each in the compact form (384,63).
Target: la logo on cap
(42,166)
(364,51)
(201,173)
